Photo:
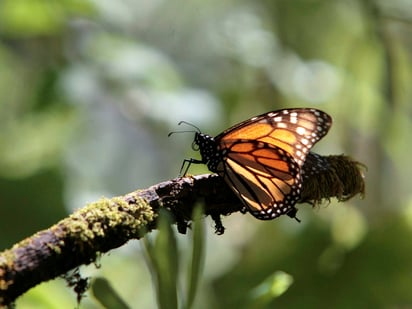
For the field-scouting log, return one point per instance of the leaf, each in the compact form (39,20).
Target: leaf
(271,288)
(198,254)
(163,256)
(106,295)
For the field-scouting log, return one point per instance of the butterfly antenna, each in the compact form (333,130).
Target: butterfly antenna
(189,124)
(185,131)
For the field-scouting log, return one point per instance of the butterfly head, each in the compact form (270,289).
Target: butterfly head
(206,144)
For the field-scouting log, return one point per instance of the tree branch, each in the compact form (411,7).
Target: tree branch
(109,223)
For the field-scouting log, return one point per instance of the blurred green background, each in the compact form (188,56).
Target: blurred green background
(90,89)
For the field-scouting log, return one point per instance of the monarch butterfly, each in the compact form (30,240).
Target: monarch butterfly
(261,158)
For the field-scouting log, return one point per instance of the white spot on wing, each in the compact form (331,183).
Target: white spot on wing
(300,130)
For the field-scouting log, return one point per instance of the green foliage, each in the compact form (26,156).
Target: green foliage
(89,91)
(165,262)
(106,295)
(197,258)
(164,257)
(271,288)
(41,17)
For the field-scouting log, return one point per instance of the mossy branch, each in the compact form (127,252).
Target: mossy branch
(109,223)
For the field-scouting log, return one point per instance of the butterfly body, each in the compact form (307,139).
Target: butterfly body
(209,151)
(261,158)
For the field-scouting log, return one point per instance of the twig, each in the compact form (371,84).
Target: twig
(109,223)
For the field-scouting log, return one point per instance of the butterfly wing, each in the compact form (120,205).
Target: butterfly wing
(263,156)
(293,130)
(265,178)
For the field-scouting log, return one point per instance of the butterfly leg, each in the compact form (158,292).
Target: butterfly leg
(219,228)
(292,214)
(188,162)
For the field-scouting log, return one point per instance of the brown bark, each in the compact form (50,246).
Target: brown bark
(109,223)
